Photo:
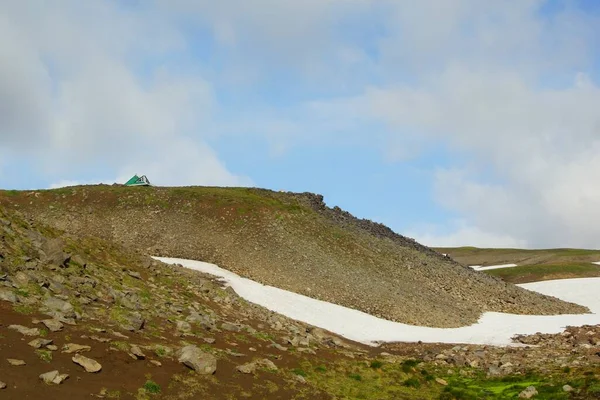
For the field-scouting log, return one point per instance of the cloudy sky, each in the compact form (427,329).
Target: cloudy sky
(457,122)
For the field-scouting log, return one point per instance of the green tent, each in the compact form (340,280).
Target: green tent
(138,181)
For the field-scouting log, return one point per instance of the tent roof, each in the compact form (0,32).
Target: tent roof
(138,181)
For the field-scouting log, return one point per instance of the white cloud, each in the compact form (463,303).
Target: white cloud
(77,96)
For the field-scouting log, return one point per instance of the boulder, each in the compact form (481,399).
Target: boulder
(8,295)
(39,343)
(87,363)
(528,393)
(137,352)
(194,358)
(23,330)
(70,348)
(53,377)
(53,324)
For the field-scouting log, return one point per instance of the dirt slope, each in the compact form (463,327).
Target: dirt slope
(292,241)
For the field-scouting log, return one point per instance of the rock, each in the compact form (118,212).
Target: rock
(156,363)
(137,352)
(2,385)
(39,343)
(528,393)
(87,363)
(23,330)
(134,322)
(250,368)
(53,377)
(441,381)
(300,378)
(494,371)
(52,347)
(70,348)
(15,362)
(230,327)
(56,304)
(567,388)
(53,252)
(8,295)
(194,358)
(183,326)
(53,324)
(135,274)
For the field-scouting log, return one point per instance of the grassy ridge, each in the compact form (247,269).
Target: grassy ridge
(544,272)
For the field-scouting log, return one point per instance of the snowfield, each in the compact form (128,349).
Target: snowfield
(492,328)
(480,268)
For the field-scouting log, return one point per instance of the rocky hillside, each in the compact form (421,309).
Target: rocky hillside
(292,241)
(83,317)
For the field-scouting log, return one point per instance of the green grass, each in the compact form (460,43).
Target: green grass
(44,355)
(534,273)
(152,387)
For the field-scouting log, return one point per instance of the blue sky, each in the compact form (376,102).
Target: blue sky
(455,122)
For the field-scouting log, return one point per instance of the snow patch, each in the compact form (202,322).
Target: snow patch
(492,328)
(486,268)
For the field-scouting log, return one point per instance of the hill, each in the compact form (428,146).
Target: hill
(288,240)
(72,303)
(532,265)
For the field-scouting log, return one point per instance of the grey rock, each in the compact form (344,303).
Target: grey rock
(56,304)
(23,330)
(88,364)
(184,326)
(137,352)
(70,348)
(14,362)
(53,325)
(53,252)
(251,367)
(528,393)
(135,274)
(567,388)
(2,385)
(39,343)
(134,322)
(8,295)
(230,327)
(194,358)
(53,377)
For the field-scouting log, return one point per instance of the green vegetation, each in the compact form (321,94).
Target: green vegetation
(44,355)
(152,387)
(535,273)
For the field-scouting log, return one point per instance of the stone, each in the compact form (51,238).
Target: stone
(53,377)
(15,362)
(8,295)
(441,381)
(135,274)
(2,385)
(53,252)
(194,358)
(528,393)
(156,363)
(56,304)
(70,348)
(230,327)
(134,322)
(567,388)
(53,324)
(87,363)
(250,368)
(39,343)
(183,326)
(23,330)
(52,347)
(137,352)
